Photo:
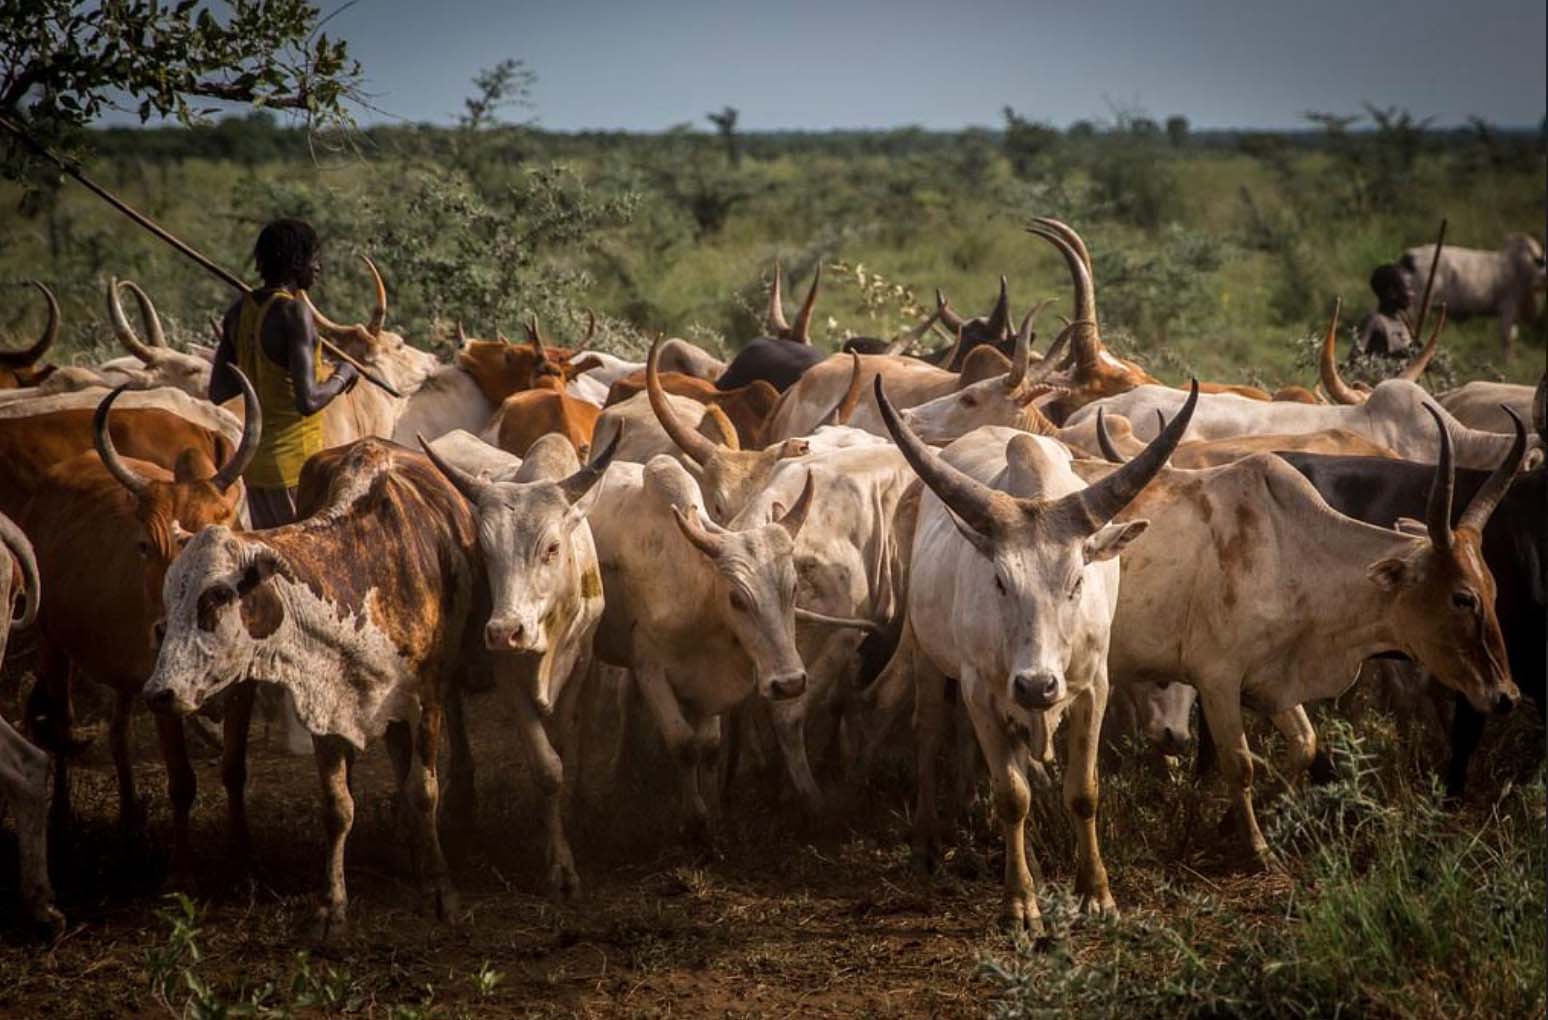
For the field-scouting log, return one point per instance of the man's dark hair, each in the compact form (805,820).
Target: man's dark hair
(1384,278)
(285,249)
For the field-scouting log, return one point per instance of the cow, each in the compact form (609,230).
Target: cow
(1470,281)
(1391,417)
(1514,547)
(153,363)
(1253,590)
(106,528)
(364,612)
(899,344)
(545,602)
(748,408)
(1013,581)
(20,369)
(543,407)
(23,765)
(1161,715)
(1213,453)
(704,616)
(782,357)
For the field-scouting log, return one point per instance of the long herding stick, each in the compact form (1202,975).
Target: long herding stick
(1429,282)
(181,246)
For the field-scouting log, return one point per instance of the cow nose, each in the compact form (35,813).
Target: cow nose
(501,636)
(1035,690)
(159,701)
(787,686)
(1174,741)
(1503,703)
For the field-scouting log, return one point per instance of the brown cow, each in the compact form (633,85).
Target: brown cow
(748,407)
(19,369)
(364,612)
(501,368)
(542,407)
(106,528)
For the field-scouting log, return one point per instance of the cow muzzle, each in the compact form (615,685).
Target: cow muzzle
(507,635)
(784,686)
(1037,691)
(165,701)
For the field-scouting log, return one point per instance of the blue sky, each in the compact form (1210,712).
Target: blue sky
(798,64)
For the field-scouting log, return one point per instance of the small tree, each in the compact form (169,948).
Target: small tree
(1177,130)
(725,123)
(508,83)
(1027,142)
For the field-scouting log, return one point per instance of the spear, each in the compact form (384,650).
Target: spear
(198,257)
(1429,282)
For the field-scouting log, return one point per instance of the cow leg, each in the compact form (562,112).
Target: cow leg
(1466,731)
(1012,800)
(24,784)
(131,816)
(790,732)
(50,722)
(1082,742)
(881,704)
(181,786)
(930,708)
(1223,709)
(460,796)
(1300,742)
(681,744)
(334,755)
(548,768)
(423,794)
(707,742)
(233,768)
(570,722)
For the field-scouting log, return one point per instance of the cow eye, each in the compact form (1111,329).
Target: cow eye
(1075,588)
(999,582)
(738,601)
(550,552)
(1465,601)
(143,547)
(969,400)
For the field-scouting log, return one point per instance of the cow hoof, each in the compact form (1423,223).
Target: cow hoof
(49,921)
(1261,861)
(1022,918)
(448,905)
(563,882)
(1092,905)
(329,925)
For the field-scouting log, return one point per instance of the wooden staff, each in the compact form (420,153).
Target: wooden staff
(182,246)
(1424,303)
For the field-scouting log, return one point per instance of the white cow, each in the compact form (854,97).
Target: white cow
(1012,589)
(1470,281)
(545,591)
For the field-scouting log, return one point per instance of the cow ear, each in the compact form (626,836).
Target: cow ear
(1111,539)
(582,506)
(1390,574)
(1413,528)
(976,539)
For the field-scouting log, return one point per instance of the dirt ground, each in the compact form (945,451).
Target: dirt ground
(786,916)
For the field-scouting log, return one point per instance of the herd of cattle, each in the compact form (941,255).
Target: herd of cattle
(787,536)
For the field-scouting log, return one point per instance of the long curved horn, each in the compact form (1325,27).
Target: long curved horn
(378,317)
(967,497)
(1105,441)
(471,486)
(157,336)
(774,319)
(462,335)
(851,398)
(792,519)
(903,341)
(591,332)
(945,313)
(801,332)
(1540,407)
(335,331)
(30,356)
(804,615)
(1085,343)
(27,559)
(690,442)
(1327,364)
(1437,518)
(1493,490)
(1414,370)
(1094,506)
(999,324)
(1067,232)
(252,433)
(126,475)
(580,483)
(706,541)
(121,328)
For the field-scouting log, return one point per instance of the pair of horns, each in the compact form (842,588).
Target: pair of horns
(1086,341)
(1438,515)
(146,352)
(29,357)
(574,487)
(367,332)
(985,509)
(223,479)
(709,537)
(998,322)
(1327,362)
(801,332)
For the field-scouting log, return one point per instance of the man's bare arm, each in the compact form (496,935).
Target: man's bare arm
(301,345)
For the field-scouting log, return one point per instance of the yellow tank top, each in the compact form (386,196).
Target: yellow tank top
(289,437)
